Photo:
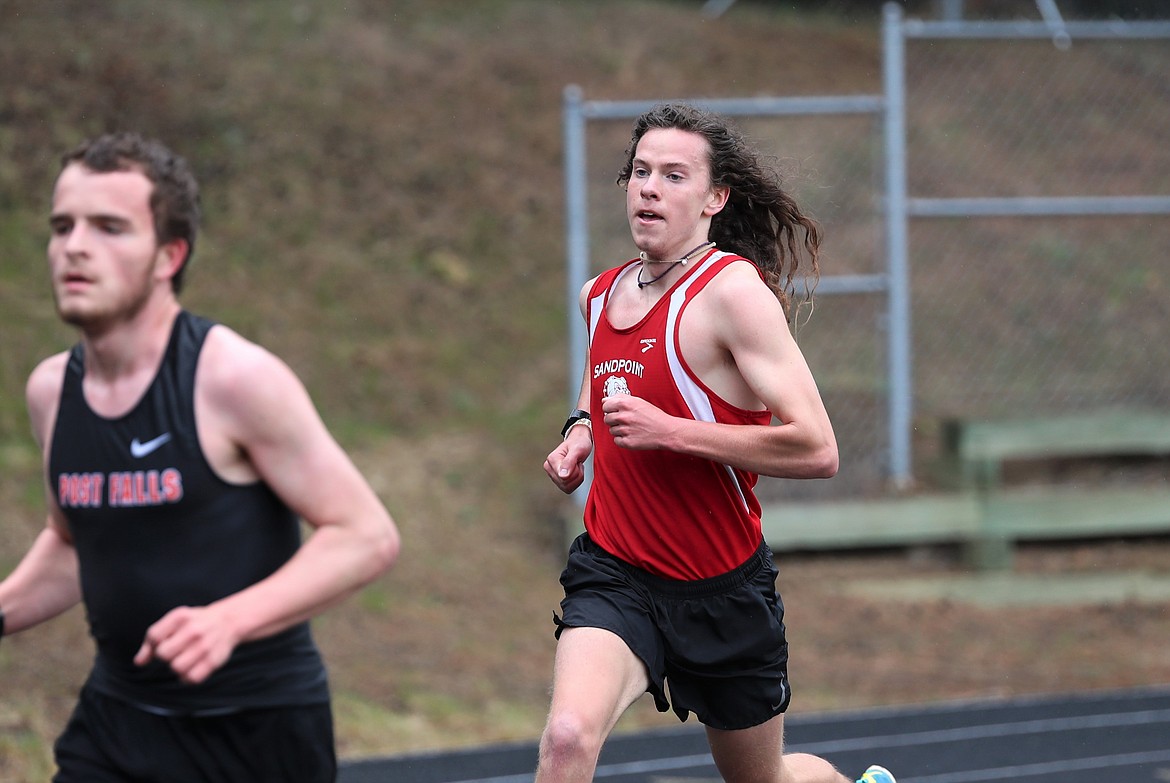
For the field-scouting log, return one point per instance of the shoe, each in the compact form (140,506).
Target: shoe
(876,774)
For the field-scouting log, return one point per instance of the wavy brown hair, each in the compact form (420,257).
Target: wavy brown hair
(760,221)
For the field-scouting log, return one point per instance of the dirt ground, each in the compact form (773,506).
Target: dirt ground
(454,647)
(458,647)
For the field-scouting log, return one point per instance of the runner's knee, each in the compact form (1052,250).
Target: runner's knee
(567,736)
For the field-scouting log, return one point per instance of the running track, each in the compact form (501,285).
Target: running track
(1109,737)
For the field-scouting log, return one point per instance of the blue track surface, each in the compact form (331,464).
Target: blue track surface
(1110,737)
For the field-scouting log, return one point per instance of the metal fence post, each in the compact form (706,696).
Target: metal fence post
(901,389)
(577,238)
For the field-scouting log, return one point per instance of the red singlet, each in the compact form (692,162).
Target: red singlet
(676,516)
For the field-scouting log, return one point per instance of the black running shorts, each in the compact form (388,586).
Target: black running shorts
(718,644)
(108,740)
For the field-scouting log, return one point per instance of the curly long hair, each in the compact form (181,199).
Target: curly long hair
(174,200)
(760,221)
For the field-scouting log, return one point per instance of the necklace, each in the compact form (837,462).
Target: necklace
(654,280)
(665,272)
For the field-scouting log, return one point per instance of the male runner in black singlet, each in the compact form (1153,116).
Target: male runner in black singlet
(179,460)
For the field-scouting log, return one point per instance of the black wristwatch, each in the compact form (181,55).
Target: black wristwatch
(1,623)
(574,417)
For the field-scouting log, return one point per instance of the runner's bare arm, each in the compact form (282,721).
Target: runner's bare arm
(256,400)
(46,582)
(565,465)
(742,319)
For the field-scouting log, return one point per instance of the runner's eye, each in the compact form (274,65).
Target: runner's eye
(112,227)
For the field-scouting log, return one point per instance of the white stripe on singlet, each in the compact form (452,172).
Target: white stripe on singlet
(693,395)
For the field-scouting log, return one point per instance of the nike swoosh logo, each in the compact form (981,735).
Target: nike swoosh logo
(139,450)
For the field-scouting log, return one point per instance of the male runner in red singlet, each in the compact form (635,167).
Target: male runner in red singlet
(690,358)
(180,460)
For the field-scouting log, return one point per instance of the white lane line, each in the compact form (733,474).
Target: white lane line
(1045,768)
(912,739)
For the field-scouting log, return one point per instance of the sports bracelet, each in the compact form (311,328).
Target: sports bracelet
(577,417)
(588,425)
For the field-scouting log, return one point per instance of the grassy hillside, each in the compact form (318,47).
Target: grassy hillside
(387,175)
(384,209)
(383,197)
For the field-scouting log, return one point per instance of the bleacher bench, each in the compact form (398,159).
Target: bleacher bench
(975,452)
(978,511)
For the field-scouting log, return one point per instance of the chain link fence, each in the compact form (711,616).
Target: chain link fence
(830,155)
(1019,312)
(1051,302)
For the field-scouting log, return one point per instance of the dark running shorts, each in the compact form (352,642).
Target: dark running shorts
(108,740)
(717,643)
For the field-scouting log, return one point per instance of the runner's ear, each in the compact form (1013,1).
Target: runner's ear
(718,200)
(171,257)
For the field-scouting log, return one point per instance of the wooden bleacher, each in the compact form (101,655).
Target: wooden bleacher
(981,512)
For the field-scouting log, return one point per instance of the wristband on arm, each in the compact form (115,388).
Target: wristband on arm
(577,417)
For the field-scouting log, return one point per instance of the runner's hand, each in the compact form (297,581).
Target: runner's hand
(634,423)
(193,641)
(566,464)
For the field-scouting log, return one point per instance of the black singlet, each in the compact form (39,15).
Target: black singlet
(156,528)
